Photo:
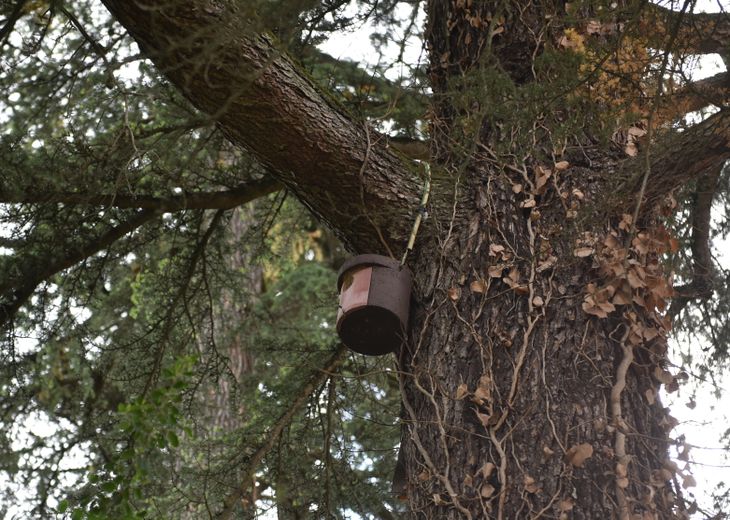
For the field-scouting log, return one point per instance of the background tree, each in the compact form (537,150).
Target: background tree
(566,188)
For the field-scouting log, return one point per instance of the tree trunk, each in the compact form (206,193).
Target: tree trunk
(537,346)
(225,415)
(537,342)
(513,385)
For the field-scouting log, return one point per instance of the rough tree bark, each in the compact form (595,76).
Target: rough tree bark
(336,165)
(537,342)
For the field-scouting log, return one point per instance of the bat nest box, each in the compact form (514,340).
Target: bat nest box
(375,295)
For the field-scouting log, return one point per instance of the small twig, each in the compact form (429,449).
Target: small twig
(98,49)
(361,175)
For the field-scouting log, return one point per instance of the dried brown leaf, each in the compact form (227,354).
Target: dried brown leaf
(478,286)
(593,27)
(688,481)
(622,297)
(650,395)
(547,263)
(626,221)
(589,307)
(547,452)
(663,376)
(482,394)
(541,178)
(483,418)
(461,391)
(583,252)
(495,271)
(566,504)
(634,279)
(529,203)
(530,484)
(673,245)
(672,386)
(487,469)
(578,454)
(495,249)
(487,490)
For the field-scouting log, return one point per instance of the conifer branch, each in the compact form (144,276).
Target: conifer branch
(694,96)
(245,192)
(701,284)
(11,20)
(265,103)
(15,291)
(318,377)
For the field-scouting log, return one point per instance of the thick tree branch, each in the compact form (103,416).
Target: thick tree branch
(228,199)
(699,33)
(263,102)
(694,96)
(685,156)
(701,285)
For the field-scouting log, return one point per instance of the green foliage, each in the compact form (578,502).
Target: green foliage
(149,430)
(161,363)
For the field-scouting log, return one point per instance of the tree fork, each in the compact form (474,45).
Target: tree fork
(338,167)
(522,399)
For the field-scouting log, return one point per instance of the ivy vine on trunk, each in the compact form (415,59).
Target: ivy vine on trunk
(537,345)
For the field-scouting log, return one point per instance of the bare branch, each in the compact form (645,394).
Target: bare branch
(228,199)
(684,156)
(263,102)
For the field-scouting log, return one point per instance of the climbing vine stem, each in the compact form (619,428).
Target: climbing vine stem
(421,213)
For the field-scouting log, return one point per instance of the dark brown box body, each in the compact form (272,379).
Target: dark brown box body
(375,295)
